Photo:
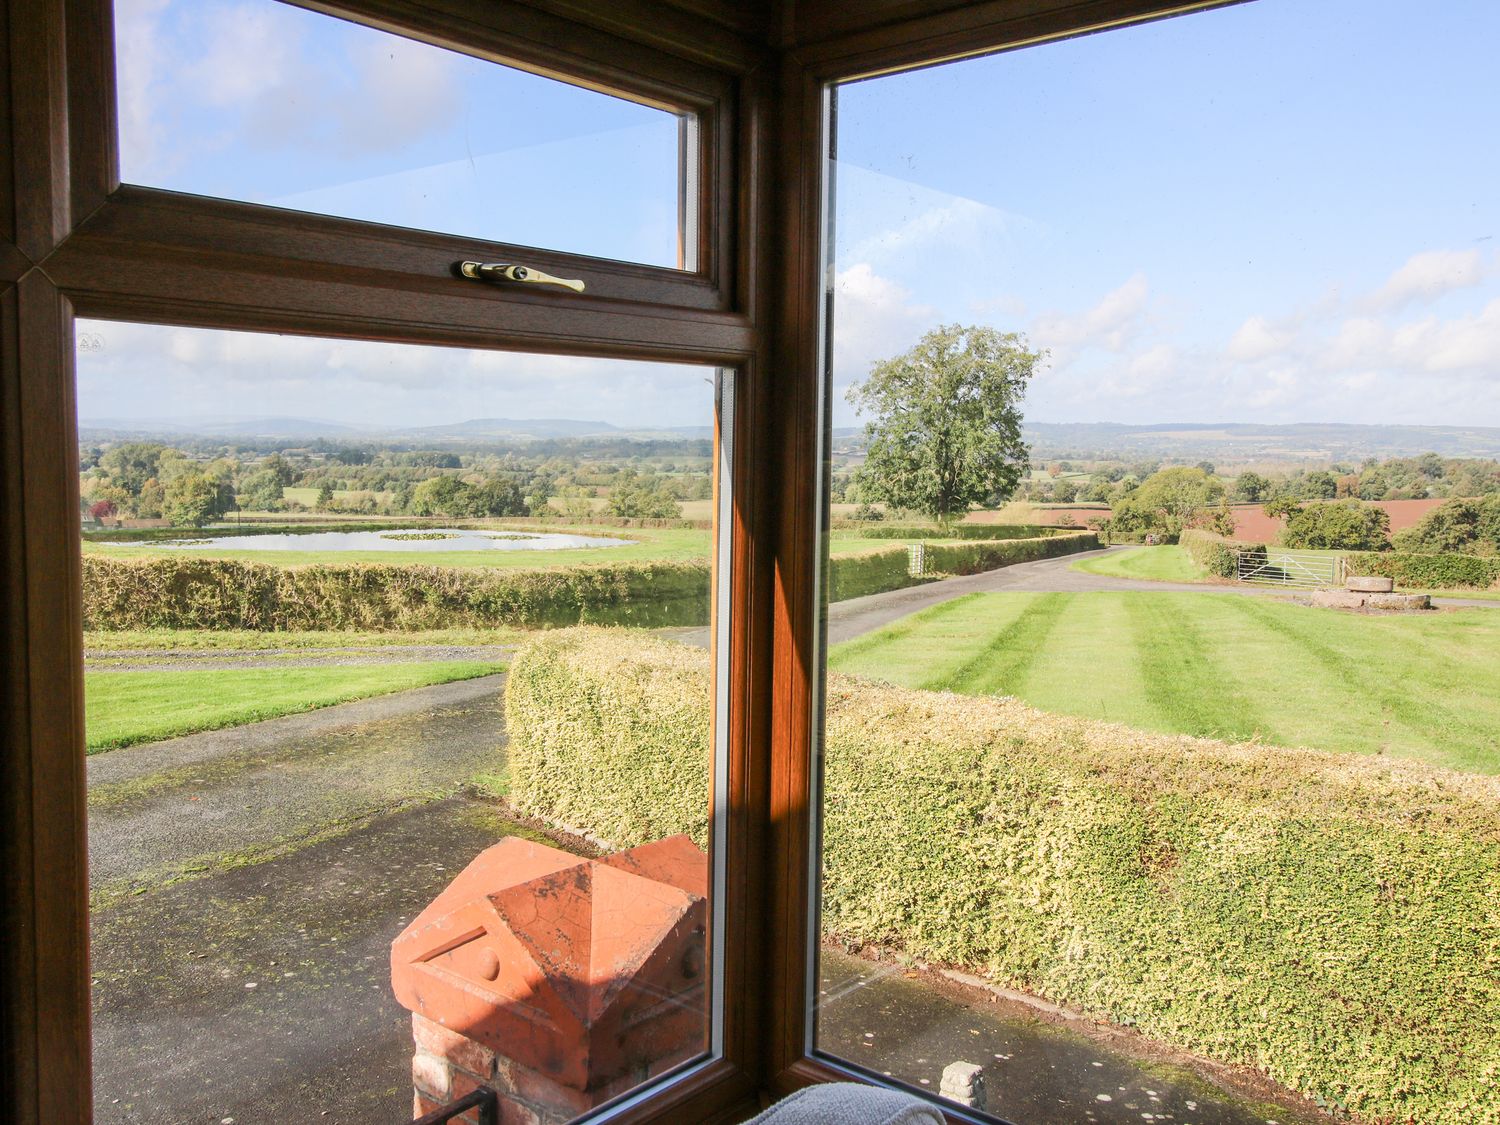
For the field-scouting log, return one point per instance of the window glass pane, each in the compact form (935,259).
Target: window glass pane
(259,101)
(1155,356)
(402,721)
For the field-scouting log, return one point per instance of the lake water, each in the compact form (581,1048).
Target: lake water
(454,539)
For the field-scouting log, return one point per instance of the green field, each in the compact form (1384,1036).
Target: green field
(1216,665)
(1156,564)
(648,545)
(125,708)
(236,640)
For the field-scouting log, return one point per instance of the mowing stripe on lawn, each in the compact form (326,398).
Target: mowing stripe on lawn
(940,642)
(1183,675)
(1435,732)
(850,651)
(1002,664)
(1089,667)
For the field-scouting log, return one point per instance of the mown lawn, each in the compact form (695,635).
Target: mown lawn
(125,708)
(234,640)
(1215,665)
(1156,564)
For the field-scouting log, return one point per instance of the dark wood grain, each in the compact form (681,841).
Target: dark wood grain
(39,163)
(714,32)
(18,1034)
(938,32)
(13,263)
(119,279)
(45,853)
(154,222)
(8,170)
(795,675)
(93,159)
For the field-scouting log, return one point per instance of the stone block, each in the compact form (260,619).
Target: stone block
(1369,585)
(963,1083)
(1399,601)
(1338,599)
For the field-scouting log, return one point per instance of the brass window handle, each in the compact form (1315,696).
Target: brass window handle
(508,271)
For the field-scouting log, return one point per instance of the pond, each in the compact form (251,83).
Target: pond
(397,539)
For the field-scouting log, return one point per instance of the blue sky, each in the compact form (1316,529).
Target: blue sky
(1283,211)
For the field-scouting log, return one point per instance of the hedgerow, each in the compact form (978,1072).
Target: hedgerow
(1328,919)
(956,531)
(198,593)
(972,558)
(1216,554)
(873,572)
(1429,572)
(608,735)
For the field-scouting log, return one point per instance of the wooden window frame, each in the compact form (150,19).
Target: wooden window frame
(78,243)
(830,46)
(74,242)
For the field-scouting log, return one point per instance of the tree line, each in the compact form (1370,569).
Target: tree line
(154,480)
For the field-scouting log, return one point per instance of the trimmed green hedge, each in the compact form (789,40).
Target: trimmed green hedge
(1217,555)
(972,558)
(1429,572)
(866,530)
(608,735)
(871,572)
(874,572)
(1330,920)
(197,593)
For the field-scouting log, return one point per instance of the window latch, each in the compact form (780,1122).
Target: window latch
(507,271)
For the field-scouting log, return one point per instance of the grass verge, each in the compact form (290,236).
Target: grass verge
(126,708)
(236,640)
(1152,564)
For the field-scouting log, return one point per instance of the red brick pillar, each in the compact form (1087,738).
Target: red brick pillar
(557,981)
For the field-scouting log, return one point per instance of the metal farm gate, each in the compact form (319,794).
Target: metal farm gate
(1300,570)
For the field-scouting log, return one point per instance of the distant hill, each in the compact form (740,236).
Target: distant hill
(222,427)
(1306,441)
(515,427)
(473,431)
(1192,441)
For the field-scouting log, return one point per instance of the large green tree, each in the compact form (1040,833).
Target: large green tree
(1345,525)
(945,428)
(1168,501)
(190,499)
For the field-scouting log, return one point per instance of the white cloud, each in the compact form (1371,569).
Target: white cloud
(1429,275)
(261,72)
(1328,359)
(163,372)
(874,318)
(1113,323)
(1257,338)
(137,42)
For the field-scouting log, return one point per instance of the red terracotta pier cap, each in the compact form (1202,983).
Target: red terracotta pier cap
(584,970)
